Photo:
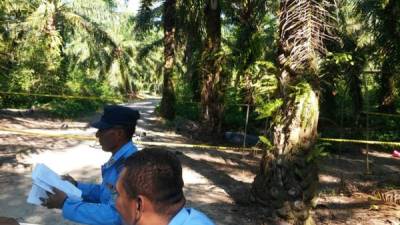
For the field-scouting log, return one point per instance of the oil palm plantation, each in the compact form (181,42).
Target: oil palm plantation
(45,35)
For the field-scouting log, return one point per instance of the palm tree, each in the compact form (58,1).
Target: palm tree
(287,177)
(167,107)
(213,77)
(347,61)
(145,21)
(383,21)
(250,19)
(190,27)
(45,30)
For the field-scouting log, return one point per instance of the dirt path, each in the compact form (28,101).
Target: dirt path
(204,171)
(216,182)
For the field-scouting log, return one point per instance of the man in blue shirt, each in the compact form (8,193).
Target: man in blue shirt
(150,191)
(115,130)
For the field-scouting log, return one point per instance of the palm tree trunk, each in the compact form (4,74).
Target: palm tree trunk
(355,85)
(391,50)
(192,58)
(387,88)
(167,107)
(213,79)
(288,178)
(288,175)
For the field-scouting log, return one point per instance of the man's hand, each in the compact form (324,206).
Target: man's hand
(67,177)
(54,201)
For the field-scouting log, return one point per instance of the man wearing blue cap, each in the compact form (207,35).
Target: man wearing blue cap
(115,130)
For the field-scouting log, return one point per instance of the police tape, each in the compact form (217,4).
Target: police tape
(180,145)
(380,114)
(391,143)
(63,96)
(146,143)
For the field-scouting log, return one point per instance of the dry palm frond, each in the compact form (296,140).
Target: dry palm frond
(392,196)
(304,26)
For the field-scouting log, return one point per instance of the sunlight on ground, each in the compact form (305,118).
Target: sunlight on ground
(325,178)
(245,176)
(196,185)
(155,133)
(76,157)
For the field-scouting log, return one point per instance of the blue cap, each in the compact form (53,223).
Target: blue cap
(116,115)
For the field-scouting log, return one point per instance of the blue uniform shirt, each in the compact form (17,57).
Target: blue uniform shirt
(98,205)
(189,216)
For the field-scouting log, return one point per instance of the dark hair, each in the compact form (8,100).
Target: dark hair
(156,174)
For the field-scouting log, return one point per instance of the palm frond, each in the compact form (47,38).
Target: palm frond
(304,26)
(145,50)
(146,18)
(91,27)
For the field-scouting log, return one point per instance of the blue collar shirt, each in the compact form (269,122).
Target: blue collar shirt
(190,216)
(98,204)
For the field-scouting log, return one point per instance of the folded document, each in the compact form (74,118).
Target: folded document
(44,180)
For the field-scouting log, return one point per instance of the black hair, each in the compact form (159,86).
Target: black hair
(157,174)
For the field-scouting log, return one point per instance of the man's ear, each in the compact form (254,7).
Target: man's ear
(139,207)
(144,204)
(139,203)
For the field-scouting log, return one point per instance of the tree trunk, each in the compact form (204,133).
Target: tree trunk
(167,107)
(355,85)
(328,101)
(213,79)
(192,58)
(389,43)
(387,88)
(288,177)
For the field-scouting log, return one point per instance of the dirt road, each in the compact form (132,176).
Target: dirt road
(82,159)
(216,182)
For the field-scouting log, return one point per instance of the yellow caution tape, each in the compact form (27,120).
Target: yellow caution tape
(166,144)
(202,146)
(361,141)
(381,114)
(196,146)
(61,96)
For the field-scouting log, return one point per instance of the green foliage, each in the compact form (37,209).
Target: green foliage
(188,110)
(78,48)
(318,152)
(265,142)
(269,108)
(71,108)
(185,107)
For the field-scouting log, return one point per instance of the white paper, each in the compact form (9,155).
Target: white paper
(35,194)
(44,179)
(43,185)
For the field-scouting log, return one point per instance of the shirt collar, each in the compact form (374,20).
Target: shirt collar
(180,217)
(124,152)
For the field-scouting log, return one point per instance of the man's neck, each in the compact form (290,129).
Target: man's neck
(155,219)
